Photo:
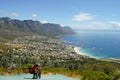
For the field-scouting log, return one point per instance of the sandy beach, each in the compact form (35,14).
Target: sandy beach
(77,50)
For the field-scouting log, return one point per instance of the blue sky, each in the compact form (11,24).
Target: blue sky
(79,14)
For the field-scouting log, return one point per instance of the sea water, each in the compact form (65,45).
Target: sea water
(103,44)
(43,77)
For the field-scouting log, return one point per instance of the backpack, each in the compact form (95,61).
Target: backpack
(31,70)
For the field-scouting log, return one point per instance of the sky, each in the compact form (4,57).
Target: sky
(78,14)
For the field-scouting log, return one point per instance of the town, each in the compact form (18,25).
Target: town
(41,49)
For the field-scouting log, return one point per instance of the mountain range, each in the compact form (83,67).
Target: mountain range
(10,28)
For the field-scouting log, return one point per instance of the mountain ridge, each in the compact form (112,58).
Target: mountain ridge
(18,27)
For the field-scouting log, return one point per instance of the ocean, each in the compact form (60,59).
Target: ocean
(100,44)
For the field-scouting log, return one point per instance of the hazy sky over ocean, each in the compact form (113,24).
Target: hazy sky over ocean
(79,14)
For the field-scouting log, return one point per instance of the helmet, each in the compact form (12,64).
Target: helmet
(38,64)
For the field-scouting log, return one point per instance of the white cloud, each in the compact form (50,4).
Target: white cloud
(115,23)
(5,13)
(44,21)
(30,18)
(34,15)
(98,23)
(14,14)
(82,17)
(99,26)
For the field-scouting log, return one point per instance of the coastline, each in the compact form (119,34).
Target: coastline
(77,50)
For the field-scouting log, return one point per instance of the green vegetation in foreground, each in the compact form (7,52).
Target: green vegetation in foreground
(102,72)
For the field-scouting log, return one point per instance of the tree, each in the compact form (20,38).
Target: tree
(108,70)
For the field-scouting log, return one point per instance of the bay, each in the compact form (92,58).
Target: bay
(101,44)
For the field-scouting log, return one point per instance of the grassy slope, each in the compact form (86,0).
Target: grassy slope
(86,74)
